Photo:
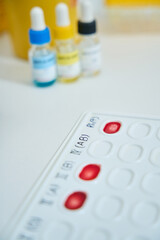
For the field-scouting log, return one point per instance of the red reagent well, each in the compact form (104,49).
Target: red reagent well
(89,172)
(112,127)
(75,200)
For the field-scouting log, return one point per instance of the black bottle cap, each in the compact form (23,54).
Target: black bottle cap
(86,28)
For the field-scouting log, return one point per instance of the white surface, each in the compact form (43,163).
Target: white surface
(34,122)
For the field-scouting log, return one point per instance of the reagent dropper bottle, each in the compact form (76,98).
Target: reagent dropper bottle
(89,44)
(41,57)
(67,53)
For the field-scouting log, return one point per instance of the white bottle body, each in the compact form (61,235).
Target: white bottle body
(68,63)
(90,54)
(43,64)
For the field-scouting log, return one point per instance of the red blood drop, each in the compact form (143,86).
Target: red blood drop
(75,200)
(112,127)
(89,172)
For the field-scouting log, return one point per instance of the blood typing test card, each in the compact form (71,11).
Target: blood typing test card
(102,184)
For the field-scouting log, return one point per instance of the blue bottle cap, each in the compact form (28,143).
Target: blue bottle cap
(39,37)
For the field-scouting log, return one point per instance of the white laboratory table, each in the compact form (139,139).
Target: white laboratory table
(34,121)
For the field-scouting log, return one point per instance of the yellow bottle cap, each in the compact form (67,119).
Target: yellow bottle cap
(63,33)
(63,29)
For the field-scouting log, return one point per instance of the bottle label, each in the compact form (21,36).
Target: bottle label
(44,68)
(91,59)
(68,65)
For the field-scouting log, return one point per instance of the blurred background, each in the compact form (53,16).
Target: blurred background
(115,17)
